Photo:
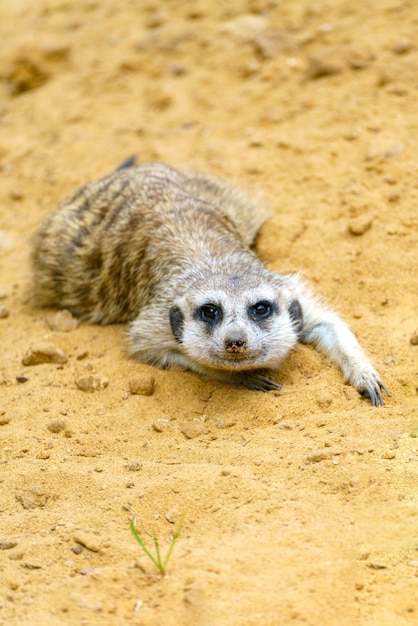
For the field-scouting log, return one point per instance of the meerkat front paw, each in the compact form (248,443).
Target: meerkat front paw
(259,381)
(369,385)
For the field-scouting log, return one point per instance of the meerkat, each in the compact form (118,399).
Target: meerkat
(171,252)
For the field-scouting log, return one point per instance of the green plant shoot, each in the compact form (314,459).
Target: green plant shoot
(159,563)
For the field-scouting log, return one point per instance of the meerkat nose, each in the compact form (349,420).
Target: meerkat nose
(235,345)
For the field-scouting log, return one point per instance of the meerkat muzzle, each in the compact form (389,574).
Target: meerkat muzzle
(236,346)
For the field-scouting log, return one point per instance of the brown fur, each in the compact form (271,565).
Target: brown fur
(99,254)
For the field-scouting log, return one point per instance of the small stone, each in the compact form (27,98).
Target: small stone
(57,426)
(62,321)
(384,148)
(172,516)
(358,60)
(7,544)
(360,225)
(4,419)
(193,429)
(414,338)
(134,465)
(35,497)
(44,454)
(377,566)
(138,605)
(245,27)
(142,385)
(389,455)
(91,383)
(22,379)
(226,422)
(4,312)
(88,540)
(159,425)
(322,455)
(44,353)
(7,241)
(324,401)
(32,565)
(271,43)
(78,549)
(402,46)
(16,194)
(324,63)
(394,196)
(26,74)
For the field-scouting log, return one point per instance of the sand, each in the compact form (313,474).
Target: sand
(300,507)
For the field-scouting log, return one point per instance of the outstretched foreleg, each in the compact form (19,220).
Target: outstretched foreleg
(324,330)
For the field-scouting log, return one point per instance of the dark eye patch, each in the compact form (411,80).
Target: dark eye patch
(210,313)
(296,315)
(177,322)
(261,310)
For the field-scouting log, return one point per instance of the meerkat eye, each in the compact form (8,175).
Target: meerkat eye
(261,310)
(210,313)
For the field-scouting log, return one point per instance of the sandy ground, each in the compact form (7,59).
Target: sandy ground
(300,506)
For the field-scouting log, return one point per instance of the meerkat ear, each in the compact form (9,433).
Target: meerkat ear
(177,322)
(296,315)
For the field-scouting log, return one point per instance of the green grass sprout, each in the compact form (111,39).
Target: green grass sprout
(159,563)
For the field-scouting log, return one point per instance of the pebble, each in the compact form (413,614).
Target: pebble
(322,455)
(44,353)
(90,383)
(16,194)
(193,429)
(324,63)
(142,385)
(271,43)
(4,419)
(87,540)
(7,241)
(414,338)
(159,425)
(35,497)
(359,225)
(324,401)
(402,46)
(4,312)
(62,321)
(44,454)
(57,426)
(226,422)
(26,74)
(7,544)
(172,516)
(384,148)
(245,27)
(389,455)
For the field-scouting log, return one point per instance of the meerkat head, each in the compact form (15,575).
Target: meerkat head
(236,323)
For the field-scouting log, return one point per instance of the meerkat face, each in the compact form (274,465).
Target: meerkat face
(235,323)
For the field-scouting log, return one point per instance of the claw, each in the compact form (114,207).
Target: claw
(261,383)
(374,393)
